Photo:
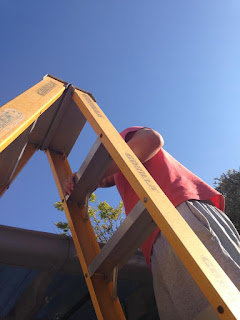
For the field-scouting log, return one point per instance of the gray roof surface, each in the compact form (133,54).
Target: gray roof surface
(41,278)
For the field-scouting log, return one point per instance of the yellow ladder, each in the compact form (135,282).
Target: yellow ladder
(50,116)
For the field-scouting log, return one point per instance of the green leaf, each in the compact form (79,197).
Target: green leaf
(102,216)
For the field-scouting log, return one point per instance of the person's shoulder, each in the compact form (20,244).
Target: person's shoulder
(143,132)
(129,132)
(124,132)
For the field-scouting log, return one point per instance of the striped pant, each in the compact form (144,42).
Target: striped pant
(177,295)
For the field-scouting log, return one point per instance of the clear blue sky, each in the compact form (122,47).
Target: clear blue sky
(170,65)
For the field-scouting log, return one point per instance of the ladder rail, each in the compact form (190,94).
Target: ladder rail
(86,245)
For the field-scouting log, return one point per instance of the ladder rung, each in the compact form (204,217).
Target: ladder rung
(90,173)
(137,226)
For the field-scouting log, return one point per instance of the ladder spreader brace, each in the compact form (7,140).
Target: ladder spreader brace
(50,116)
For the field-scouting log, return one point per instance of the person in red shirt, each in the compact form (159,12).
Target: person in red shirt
(177,295)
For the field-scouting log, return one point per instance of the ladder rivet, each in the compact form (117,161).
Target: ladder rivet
(86,275)
(101,135)
(220,309)
(145,199)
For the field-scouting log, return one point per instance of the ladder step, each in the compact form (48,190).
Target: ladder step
(137,226)
(90,173)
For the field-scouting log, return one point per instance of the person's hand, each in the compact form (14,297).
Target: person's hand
(69,184)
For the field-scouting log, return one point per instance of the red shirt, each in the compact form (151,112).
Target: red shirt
(177,182)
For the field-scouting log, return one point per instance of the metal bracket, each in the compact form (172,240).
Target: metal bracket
(66,84)
(115,279)
(90,94)
(86,216)
(55,78)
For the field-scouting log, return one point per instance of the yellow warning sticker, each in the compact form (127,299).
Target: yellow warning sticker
(9,118)
(47,87)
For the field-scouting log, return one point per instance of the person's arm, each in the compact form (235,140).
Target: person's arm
(145,143)
(107,182)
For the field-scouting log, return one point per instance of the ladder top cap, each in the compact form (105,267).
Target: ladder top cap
(66,84)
